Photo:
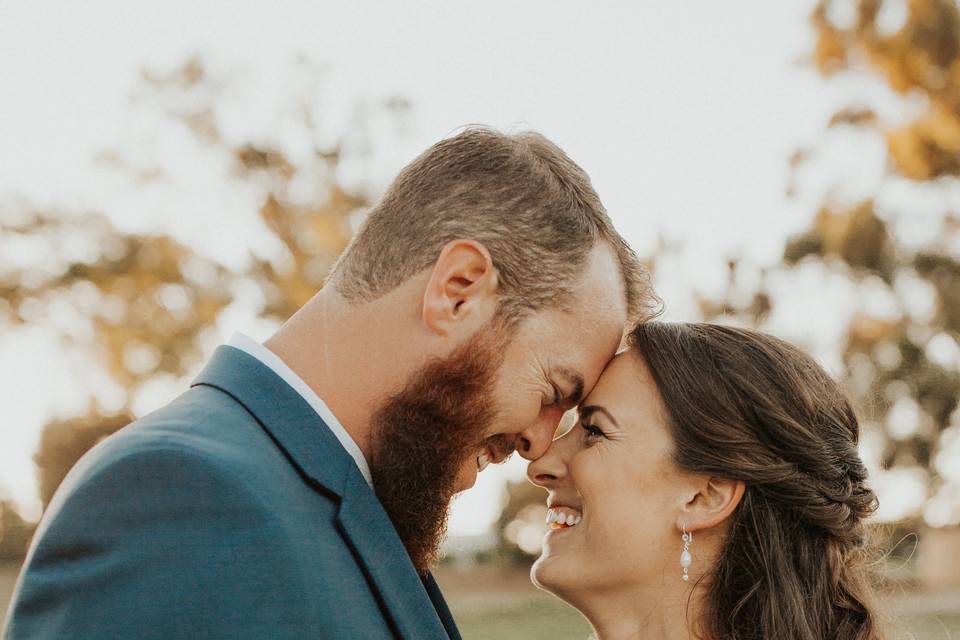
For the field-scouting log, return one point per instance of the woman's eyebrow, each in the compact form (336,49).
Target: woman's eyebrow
(587,411)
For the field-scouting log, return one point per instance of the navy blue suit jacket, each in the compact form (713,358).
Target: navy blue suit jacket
(233,512)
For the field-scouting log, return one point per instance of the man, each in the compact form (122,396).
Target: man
(300,488)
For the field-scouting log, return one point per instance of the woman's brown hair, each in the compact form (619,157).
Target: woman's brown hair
(747,406)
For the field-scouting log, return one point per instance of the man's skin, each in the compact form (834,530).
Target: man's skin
(355,355)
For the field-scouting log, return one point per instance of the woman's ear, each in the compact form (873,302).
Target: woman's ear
(712,503)
(462,288)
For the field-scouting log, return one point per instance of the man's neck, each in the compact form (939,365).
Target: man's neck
(344,353)
(354,356)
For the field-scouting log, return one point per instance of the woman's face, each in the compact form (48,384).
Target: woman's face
(612,475)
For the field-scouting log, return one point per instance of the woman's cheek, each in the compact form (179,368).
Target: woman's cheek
(609,489)
(586,465)
(587,476)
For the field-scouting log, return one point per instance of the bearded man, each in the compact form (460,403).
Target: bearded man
(300,488)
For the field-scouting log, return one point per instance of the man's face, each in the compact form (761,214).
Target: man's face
(503,390)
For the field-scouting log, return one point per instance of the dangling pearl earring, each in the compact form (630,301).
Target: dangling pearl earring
(685,558)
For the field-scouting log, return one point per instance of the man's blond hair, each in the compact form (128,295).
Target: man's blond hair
(519,195)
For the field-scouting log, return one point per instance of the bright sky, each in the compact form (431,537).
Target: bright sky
(683,113)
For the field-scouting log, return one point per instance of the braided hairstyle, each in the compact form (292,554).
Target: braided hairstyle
(746,406)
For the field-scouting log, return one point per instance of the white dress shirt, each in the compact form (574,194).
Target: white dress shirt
(270,359)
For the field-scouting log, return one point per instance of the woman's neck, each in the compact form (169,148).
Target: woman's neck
(662,611)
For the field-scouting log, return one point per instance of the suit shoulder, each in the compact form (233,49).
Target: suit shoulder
(200,437)
(202,425)
(127,476)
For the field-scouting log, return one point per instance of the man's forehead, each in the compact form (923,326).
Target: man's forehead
(596,332)
(601,314)
(601,318)
(575,338)
(601,284)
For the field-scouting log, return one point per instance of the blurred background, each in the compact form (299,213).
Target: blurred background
(173,172)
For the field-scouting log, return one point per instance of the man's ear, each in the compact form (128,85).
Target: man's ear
(712,503)
(462,288)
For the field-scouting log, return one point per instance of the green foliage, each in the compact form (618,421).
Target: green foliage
(901,365)
(912,380)
(143,298)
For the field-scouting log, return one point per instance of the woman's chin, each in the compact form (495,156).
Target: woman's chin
(544,572)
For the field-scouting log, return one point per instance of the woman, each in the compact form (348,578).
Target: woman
(711,489)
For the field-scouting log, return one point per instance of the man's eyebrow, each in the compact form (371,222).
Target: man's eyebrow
(587,411)
(575,380)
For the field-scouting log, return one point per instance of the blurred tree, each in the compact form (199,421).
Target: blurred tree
(137,302)
(522,523)
(133,304)
(15,532)
(139,306)
(901,355)
(64,441)
(304,204)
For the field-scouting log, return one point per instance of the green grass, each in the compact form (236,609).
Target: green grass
(533,620)
(488,604)
(547,619)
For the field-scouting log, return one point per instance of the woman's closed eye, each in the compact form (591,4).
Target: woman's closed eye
(551,398)
(557,396)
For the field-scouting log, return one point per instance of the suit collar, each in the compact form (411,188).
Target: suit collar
(284,414)
(292,378)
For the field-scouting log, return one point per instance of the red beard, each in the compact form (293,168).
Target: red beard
(423,436)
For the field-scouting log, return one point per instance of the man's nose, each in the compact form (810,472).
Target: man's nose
(548,470)
(534,441)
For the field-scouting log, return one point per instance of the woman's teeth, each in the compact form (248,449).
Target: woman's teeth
(563,518)
(483,460)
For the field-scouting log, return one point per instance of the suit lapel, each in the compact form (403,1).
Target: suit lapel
(440,604)
(373,538)
(313,449)
(283,413)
